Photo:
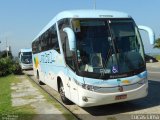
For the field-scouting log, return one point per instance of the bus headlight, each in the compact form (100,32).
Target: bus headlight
(90,87)
(86,86)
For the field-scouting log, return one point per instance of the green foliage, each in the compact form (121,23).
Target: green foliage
(5,66)
(3,54)
(16,68)
(8,66)
(157,43)
(157,57)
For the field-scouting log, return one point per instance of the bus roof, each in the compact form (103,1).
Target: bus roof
(84,14)
(26,50)
(91,14)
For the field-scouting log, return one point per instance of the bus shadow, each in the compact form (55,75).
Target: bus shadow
(28,72)
(153,99)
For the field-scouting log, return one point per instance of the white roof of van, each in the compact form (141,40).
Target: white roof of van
(84,14)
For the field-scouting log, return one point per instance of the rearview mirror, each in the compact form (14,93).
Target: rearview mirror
(150,33)
(71,38)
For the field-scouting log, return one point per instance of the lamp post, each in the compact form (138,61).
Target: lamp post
(0,46)
(7,47)
(94,4)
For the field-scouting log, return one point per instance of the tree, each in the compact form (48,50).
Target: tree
(157,43)
(3,54)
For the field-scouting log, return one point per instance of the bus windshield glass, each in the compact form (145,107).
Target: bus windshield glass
(26,59)
(108,46)
(27,53)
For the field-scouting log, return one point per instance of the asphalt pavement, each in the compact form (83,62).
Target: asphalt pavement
(148,105)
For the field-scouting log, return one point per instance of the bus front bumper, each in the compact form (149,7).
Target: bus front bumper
(26,66)
(90,98)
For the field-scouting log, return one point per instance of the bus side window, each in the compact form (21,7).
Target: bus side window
(61,25)
(69,56)
(34,47)
(54,38)
(37,46)
(43,42)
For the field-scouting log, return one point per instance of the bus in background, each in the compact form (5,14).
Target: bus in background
(92,57)
(25,59)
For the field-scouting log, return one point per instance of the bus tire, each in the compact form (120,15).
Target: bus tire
(39,81)
(62,94)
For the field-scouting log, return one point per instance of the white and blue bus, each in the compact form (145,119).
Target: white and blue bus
(25,59)
(92,57)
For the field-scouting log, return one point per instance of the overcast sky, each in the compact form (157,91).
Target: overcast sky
(22,20)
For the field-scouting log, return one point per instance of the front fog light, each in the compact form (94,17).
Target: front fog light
(90,87)
(87,87)
(85,99)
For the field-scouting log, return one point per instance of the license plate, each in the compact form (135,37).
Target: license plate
(120,97)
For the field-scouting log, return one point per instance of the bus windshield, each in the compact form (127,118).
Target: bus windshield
(26,59)
(27,53)
(108,46)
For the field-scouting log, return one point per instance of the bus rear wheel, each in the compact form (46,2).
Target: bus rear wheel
(62,94)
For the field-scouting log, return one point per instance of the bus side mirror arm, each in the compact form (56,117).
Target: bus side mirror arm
(71,38)
(150,33)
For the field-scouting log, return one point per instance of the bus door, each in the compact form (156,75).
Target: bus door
(72,85)
(70,71)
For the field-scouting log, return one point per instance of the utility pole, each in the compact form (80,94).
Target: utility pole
(0,46)
(6,47)
(94,4)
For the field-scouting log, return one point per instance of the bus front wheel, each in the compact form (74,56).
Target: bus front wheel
(62,94)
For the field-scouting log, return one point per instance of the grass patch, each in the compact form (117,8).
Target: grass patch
(49,99)
(6,108)
(157,57)
(111,118)
(5,94)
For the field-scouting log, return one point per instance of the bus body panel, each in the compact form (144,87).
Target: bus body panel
(134,87)
(49,71)
(116,82)
(83,14)
(95,99)
(26,66)
(51,65)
